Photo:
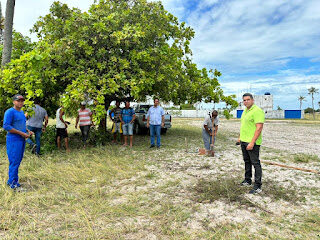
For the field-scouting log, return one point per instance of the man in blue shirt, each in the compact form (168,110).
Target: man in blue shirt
(127,118)
(155,120)
(15,124)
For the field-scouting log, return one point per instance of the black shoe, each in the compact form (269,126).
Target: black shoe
(245,183)
(255,190)
(158,147)
(33,149)
(151,146)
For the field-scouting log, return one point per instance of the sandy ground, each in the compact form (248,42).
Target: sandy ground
(282,135)
(187,169)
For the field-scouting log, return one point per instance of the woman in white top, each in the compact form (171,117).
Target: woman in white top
(61,126)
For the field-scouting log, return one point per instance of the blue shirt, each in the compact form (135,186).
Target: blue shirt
(155,114)
(127,114)
(14,119)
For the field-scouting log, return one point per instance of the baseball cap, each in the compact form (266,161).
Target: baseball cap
(83,103)
(17,97)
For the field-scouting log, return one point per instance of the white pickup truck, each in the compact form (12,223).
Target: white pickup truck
(140,124)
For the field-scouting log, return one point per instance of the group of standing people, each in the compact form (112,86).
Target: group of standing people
(20,129)
(123,123)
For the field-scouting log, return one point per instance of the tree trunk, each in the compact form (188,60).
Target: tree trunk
(104,121)
(300,105)
(1,27)
(7,36)
(314,116)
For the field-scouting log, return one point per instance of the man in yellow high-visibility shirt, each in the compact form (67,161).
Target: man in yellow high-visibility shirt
(252,121)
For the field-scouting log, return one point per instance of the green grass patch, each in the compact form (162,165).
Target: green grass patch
(305,158)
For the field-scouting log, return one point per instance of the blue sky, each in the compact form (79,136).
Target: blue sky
(260,46)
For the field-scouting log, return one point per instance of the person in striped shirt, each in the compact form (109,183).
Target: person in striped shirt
(85,119)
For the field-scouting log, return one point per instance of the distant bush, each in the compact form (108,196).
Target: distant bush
(187,106)
(308,110)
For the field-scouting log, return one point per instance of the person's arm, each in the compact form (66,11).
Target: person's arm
(120,117)
(148,118)
(46,120)
(110,113)
(215,130)
(162,117)
(133,118)
(207,129)
(91,119)
(61,118)
(259,127)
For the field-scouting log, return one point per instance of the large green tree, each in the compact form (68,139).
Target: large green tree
(116,50)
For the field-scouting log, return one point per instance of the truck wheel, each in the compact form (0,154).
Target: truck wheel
(164,130)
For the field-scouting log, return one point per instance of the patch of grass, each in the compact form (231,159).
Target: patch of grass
(223,188)
(278,192)
(305,158)
(227,189)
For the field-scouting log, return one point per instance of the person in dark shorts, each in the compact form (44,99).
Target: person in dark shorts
(61,126)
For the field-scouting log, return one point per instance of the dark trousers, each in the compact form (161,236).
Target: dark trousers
(37,136)
(85,132)
(251,158)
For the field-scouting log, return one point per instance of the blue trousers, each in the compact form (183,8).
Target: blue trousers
(15,151)
(155,130)
(37,135)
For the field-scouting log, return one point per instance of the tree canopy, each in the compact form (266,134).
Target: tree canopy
(118,49)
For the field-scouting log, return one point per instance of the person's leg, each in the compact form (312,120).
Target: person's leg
(87,133)
(125,133)
(37,134)
(15,150)
(247,162)
(59,142)
(82,133)
(66,141)
(152,133)
(114,132)
(130,132)
(158,133)
(206,139)
(254,157)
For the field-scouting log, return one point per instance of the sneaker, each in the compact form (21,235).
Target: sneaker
(255,190)
(33,149)
(245,183)
(14,185)
(151,146)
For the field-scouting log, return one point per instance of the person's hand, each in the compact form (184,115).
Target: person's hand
(66,125)
(162,124)
(43,129)
(76,126)
(122,122)
(148,125)
(26,135)
(30,133)
(250,146)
